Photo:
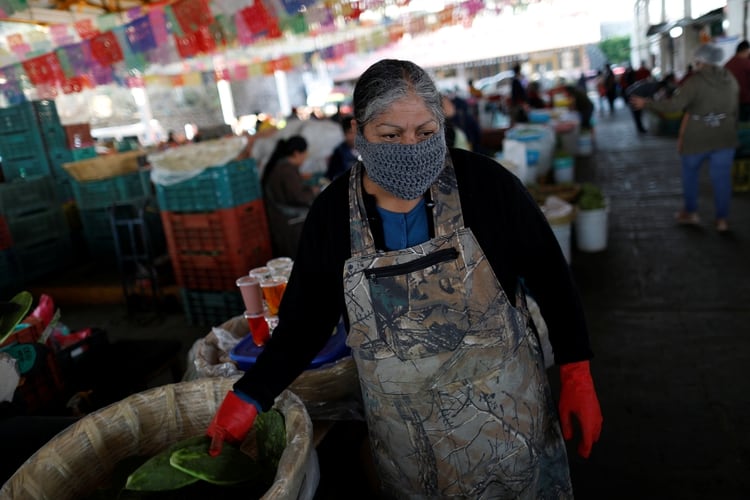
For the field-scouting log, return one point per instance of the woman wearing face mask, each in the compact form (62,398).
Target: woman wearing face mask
(433,245)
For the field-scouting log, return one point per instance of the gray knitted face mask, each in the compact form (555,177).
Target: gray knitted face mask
(404,170)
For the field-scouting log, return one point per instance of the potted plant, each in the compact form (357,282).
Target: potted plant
(591,219)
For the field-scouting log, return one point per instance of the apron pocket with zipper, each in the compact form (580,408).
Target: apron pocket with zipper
(420,305)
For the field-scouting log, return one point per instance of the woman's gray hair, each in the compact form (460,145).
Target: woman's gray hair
(389,80)
(709,53)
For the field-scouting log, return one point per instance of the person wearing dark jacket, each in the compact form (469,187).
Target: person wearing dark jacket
(518,97)
(739,65)
(287,197)
(344,156)
(428,253)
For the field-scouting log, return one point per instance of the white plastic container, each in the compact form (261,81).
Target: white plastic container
(539,141)
(591,230)
(563,170)
(585,143)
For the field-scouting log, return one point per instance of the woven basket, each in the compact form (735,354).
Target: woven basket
(82,457)
(103,167)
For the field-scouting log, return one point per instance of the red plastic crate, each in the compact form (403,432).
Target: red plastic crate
(218,231)
(218,272)
(210,250)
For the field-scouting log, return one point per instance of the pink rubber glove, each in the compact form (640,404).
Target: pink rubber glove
(231,423)
(578,397)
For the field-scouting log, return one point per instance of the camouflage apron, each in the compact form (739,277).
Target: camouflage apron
(457,400)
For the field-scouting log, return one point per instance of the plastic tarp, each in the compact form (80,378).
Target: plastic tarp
(184,162)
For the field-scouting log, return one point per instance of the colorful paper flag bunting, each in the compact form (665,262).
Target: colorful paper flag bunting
(106,49)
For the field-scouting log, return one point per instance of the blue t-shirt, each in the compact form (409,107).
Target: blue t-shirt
(405,230)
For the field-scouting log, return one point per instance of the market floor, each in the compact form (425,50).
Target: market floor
(668,308)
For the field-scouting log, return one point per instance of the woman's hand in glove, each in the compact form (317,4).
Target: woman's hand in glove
(231,423)
(578,397)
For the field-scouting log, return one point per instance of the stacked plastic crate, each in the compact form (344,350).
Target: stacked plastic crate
(34,237)
(35,194)
(216,230)
(33,142)
(95,199)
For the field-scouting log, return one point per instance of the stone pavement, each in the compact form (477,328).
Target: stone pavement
(669,314)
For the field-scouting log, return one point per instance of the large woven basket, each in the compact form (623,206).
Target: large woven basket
(82,457)
(104,167)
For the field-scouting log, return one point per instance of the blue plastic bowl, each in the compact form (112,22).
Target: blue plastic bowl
(245,353)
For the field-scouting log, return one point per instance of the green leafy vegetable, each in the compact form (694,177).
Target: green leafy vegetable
(156,474)
(231,466)
(270,433)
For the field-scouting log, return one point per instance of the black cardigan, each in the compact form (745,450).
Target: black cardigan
(508,225)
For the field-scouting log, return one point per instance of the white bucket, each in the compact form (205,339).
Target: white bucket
(585,143)
(562,233)
(562,169)
(591,230)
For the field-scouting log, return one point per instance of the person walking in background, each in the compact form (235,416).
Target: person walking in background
(518,98)
(610,87)
(287,196)
(428,253)
(580,102)
(466,119)
(739,66)
(710,99)
(455,137)
(642,72)
(638,77)
(344,156)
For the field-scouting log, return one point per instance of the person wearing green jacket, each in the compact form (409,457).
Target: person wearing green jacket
(710,101)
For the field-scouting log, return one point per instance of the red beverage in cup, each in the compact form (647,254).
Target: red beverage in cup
(273,290)
(258,328)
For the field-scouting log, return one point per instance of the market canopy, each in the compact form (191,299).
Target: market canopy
(711,17)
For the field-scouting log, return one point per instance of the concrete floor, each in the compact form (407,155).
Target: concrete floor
(668,307)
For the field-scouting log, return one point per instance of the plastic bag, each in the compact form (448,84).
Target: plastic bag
(182,163)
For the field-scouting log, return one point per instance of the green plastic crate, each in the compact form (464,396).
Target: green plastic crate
(43,259)
(211,308)
(226,186)
(9,273)
(19,118)
(53,136)
(46,112)
(38,227)
(27,196)
(122,188)
(21,170)
(58,157)
(21,145)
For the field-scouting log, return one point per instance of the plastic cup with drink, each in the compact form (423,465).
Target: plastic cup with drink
(273,290)
(259,328)
(252,296)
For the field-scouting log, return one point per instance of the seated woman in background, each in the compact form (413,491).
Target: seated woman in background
(287,196)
